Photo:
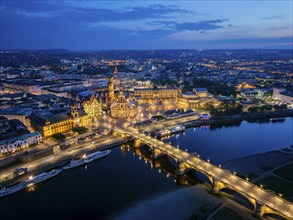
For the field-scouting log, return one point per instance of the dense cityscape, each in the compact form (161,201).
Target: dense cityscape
(143,133)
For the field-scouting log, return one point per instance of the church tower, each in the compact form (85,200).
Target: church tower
(121,97)
(111,95)
(73,110)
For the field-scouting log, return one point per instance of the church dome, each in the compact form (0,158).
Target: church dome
(85,93)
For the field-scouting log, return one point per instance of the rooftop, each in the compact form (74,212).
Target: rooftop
(201,89)
(15,111)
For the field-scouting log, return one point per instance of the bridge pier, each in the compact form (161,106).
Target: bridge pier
(136,143)
(182,168)
(259,209)
(156,153)
(137,152)
(216,186)
(156,164)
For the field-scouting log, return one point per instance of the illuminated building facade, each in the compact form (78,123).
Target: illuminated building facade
(155,94)
(199,98)
(244,85)
(50,122)
(122,108)
(92,107)
(21,142)
(281,95)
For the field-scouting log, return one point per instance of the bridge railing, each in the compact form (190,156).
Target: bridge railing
(229,173)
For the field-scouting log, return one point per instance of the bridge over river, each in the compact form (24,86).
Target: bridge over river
(263,201)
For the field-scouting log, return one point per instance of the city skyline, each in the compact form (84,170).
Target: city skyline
(89,25)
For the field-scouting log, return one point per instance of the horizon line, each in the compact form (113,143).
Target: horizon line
(93,50)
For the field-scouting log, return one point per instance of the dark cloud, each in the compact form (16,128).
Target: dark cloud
(277,28)
(200,26)
(57,24)
(83,14)
(274,17)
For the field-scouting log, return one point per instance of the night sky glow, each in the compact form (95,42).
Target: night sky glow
(92,25)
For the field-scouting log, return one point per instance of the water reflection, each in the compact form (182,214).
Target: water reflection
(227,125)
(164,165)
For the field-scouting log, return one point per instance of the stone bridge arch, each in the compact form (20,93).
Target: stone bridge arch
(267,211)
(244,197)
(184,167)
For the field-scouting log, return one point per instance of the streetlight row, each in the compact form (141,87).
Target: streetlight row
(162,144)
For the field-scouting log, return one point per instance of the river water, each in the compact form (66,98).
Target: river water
(123,179)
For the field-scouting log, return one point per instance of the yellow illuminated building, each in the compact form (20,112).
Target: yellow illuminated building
(119,106)
(155,94)
(244,85)
(122,108)
(50,122)
(197,99)
(92,107)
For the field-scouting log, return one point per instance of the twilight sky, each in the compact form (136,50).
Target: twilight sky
(91,25)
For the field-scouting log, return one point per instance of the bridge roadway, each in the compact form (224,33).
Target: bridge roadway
(262,200)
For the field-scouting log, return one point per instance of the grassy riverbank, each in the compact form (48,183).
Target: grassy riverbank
(271,170)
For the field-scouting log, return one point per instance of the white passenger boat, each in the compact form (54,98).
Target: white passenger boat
(41,177)
(12,189)
(96,155)
(74,163)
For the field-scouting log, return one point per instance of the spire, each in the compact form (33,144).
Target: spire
(115,71)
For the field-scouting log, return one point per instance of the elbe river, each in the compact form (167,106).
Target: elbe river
(123,179)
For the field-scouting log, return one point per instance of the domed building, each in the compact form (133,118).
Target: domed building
(122,108)
(84,95)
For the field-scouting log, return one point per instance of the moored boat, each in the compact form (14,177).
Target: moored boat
(96,155)
(12,189)
(74,163)
(41,177)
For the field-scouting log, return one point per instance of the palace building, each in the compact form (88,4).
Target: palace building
(53,121)
(199,98)
(155,94)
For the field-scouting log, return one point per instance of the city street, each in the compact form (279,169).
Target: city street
(72,152)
